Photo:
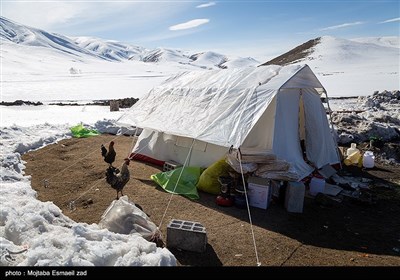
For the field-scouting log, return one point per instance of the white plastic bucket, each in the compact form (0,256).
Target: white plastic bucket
(368,159)
(317,185)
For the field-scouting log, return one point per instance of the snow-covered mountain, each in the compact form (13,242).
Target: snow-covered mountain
(74,47)
(209,59)
(165,55)
(19,34)
(112,50)
(349,67)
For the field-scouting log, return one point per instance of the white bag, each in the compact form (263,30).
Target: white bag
(122,216)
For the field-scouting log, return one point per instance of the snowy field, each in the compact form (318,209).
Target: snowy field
(45,75)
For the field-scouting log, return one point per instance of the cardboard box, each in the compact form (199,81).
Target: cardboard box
(259,192)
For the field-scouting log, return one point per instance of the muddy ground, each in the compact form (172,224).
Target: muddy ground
(346,232)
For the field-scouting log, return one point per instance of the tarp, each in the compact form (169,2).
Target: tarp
(215,106)
(187,178)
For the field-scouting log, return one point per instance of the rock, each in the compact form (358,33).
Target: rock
(375,117)
(20,102)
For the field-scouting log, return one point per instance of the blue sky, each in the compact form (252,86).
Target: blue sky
(259,29)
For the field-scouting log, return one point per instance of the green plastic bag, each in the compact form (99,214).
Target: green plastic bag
(187,182)
(79,131)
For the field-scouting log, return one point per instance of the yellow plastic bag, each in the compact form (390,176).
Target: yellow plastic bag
(208,181)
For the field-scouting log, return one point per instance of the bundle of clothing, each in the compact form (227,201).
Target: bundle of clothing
(261,164)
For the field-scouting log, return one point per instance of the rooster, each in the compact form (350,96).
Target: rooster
(117,179)
(109,156)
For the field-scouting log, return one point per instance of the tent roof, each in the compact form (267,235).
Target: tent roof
(216,106)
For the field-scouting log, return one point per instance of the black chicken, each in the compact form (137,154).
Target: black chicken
(109,156)
(116,178)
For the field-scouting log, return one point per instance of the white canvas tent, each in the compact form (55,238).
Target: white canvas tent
(263,108)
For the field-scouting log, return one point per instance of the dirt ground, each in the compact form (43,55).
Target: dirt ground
(346,232)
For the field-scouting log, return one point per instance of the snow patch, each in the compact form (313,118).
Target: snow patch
(35,233)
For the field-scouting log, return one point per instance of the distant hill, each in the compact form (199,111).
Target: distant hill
(349,67)
(294,55)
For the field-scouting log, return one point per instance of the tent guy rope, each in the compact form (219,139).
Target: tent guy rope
(248,208)
(176,184)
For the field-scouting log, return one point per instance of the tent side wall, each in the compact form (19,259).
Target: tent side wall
(165,147)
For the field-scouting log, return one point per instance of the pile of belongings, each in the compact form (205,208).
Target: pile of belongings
(261,164)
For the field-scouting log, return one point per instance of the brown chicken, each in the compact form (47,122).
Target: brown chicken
(116,178)
(109,156)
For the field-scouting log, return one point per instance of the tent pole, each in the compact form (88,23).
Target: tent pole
(332,127)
